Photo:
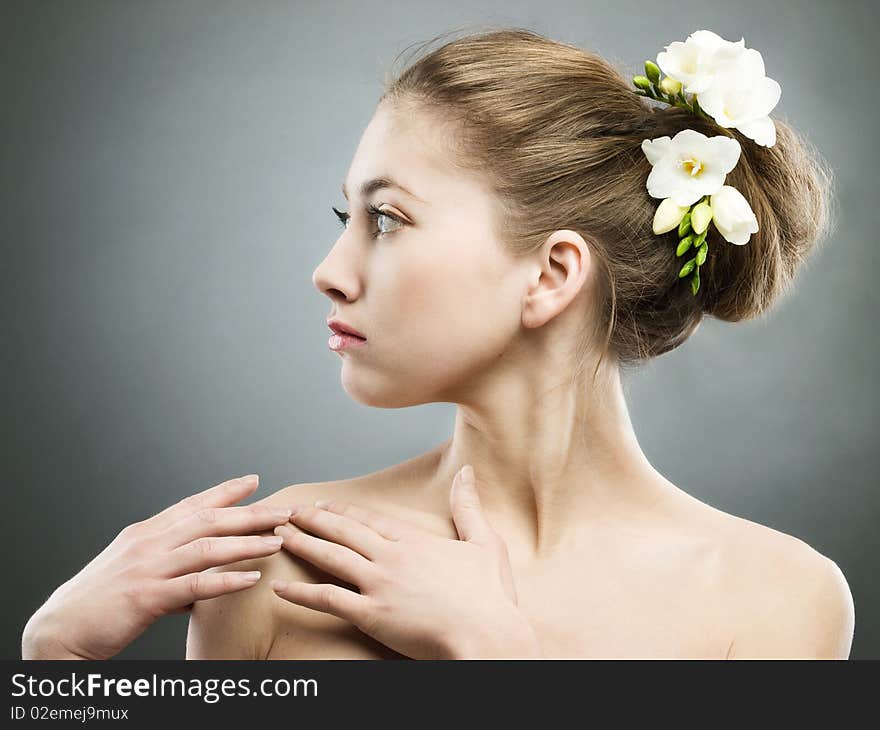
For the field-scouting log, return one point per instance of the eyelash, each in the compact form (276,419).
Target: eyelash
(373,213)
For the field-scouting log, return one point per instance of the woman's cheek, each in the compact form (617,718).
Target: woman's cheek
(433,309)
(444,319)
(457,327)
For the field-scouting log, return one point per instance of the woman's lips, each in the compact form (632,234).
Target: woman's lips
(344,341)
(344,336)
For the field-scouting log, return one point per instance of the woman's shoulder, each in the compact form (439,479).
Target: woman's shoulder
(249,623)
(396,489)
(297,632)
(784,598)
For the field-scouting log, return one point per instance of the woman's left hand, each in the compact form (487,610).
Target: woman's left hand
(422,595)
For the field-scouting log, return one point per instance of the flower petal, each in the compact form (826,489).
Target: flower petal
(663,181)
(726,151)
(750,64)
(687,196)
(762,131)
(712,102)
(766,96)
(656,149)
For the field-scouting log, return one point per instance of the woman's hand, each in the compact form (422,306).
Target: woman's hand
(152,568)
(425,596)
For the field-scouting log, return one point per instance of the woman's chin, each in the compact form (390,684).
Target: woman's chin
(377,394)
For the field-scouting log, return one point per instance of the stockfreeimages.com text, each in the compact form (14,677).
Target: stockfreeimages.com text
(210,690)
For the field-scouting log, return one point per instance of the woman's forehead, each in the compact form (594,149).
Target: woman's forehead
(412,153)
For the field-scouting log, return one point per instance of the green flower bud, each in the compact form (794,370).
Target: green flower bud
(652,71)
(670,86)
(695,282)
(687,268)
(698,241)
(685,226)
(701,253)
(643,82)
(684,245)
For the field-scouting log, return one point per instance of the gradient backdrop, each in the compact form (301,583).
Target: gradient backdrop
(166,176)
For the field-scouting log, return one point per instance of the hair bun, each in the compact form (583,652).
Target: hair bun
(789,187)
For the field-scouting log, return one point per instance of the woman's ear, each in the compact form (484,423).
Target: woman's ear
(560,270)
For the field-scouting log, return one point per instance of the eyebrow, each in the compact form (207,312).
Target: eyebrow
(368,187)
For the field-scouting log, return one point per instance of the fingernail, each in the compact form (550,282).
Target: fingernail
(279,585)
(274,540)
(282,513)
(252,576)
(249,478)
(321,503)
(467,474)
(296,508)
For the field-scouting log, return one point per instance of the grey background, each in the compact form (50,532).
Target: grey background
(166,176)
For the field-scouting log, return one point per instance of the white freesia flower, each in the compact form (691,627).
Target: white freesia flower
(689,165)
(729,82)
(742,97)
(732,215)
(695,61)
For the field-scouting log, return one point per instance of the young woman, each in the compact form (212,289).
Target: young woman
(498,253)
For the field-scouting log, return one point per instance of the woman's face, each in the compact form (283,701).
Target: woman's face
(437,297)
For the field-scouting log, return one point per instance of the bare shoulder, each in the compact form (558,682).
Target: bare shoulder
(785,598)
(244,624)
(254,623)
(298,632)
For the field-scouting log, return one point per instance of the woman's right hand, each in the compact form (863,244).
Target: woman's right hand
(153,568)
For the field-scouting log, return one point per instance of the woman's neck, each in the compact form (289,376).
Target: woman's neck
(549,460)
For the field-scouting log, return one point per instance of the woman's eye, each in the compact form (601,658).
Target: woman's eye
(379,215)
(374,214)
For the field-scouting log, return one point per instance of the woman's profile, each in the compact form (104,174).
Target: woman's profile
(500,252)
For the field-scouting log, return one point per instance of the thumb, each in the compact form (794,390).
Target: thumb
(467,512)
(473,526)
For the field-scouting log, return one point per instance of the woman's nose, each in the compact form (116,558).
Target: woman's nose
(336,284)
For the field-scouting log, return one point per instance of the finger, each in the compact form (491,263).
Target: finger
(181,591)
(327,598)
(388,527)
(220,495)
(467,512)
(473,525)
(214,521)
(207,552)
(334,559)
(341,529)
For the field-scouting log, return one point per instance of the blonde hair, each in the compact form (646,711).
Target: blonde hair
(556,131)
